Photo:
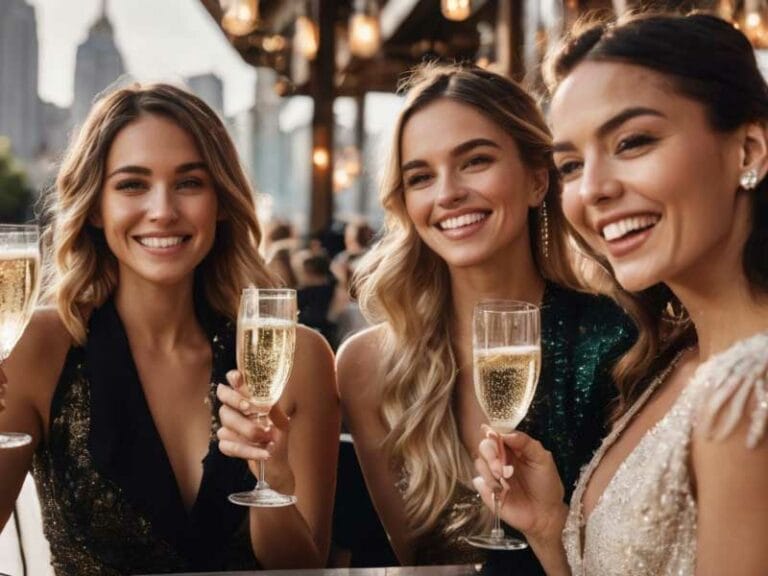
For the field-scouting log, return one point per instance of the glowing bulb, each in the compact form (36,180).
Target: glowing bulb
(320,158)
(364,35)
(240,16)
(305,37)
(456,9)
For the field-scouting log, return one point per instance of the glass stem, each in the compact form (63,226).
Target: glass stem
(497,533)
(261,481)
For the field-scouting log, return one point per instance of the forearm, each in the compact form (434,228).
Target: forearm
(549,548)
(281,538)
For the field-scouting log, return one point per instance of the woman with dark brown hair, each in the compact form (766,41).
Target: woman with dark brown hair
(660,137)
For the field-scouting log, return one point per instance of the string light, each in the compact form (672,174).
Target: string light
(456,10)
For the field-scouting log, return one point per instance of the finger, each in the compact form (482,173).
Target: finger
(489,452)
(230,435)
(231,397)
(235,379)
(251,429)
(485,473)
(485,491)
(242,450)
(526,447)
(279,418)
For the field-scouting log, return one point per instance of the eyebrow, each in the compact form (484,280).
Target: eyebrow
(612,124)
(182,169)
(462,148)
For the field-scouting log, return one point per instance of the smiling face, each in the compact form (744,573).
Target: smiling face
(467,191)
(158,206)
(647,182)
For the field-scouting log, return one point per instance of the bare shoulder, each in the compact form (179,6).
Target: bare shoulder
(358,363)
(39,356)
(313,364)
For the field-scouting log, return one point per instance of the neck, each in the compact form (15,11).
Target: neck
(160,318)
(516,278)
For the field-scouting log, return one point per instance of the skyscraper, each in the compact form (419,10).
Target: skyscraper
(210,88)
(20,112)
(97,67)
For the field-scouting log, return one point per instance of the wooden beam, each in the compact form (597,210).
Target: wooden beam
(321,79)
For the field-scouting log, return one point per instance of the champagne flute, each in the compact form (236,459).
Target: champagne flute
(506,349)
(266,337)
(19,283)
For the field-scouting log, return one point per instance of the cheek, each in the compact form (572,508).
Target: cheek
(573,209)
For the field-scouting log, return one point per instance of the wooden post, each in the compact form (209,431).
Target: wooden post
(362,197)
(510,39)
(322,89)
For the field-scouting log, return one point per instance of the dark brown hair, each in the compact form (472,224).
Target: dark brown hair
(711,62)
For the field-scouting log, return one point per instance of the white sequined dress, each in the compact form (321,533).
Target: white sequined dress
(644,523)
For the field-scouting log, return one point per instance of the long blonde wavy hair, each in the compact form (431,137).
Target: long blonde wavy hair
(82,272)
(402,284)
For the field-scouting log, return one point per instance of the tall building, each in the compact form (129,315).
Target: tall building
(97,67)
(210,89)
(20,111)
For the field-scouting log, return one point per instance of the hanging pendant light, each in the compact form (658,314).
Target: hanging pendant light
(456,10)
(240,16)
(364,29)
(305,37)
(754,23)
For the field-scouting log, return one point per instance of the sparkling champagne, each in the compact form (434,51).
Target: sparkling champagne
(505,381)
(18,294)
(265,357)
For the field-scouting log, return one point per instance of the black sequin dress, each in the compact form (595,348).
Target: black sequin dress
(582,336)
(110,501)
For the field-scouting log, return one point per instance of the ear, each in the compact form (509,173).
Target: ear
(754,149)
(540,186)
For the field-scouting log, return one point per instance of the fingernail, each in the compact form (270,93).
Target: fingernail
(507,471)
(244,405)
(478,483)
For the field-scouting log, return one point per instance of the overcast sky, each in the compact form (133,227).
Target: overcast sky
(159,40)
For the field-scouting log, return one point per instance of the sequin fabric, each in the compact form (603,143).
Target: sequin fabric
(109,499)
(644,523)
(582,335)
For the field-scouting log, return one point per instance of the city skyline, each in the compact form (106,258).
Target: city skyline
(168,40)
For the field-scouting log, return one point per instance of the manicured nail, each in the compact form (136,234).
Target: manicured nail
(507,471)
(244,405)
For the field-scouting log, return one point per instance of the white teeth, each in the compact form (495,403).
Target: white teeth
(621,228)
(163,242)
(463,220)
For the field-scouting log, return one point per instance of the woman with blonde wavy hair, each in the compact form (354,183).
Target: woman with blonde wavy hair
(153,236)
(472,212)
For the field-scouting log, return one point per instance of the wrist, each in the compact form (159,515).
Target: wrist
(547,544)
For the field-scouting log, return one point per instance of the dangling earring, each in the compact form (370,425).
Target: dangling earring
(544,228)
(748,179)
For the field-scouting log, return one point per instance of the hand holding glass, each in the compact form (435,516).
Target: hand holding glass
(506,346)
(19,282)
(266,336)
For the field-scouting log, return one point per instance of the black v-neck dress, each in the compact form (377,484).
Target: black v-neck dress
(110,501)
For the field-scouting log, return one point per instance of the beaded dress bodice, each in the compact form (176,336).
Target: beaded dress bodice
(109,498)
(644,523)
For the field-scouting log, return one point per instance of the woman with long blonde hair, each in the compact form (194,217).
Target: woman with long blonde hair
(472,212)
(153,236)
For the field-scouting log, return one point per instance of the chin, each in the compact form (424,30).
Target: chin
(636,281)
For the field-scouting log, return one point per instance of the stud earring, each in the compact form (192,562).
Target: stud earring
(748,179)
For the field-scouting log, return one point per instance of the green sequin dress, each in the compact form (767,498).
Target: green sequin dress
(582,336)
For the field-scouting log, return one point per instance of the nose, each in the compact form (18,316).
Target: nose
(599,182)
(161,206)
(450,191)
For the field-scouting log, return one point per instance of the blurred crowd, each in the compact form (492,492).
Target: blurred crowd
(320,268)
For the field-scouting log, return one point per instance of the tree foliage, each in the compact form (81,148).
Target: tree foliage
(15,195)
